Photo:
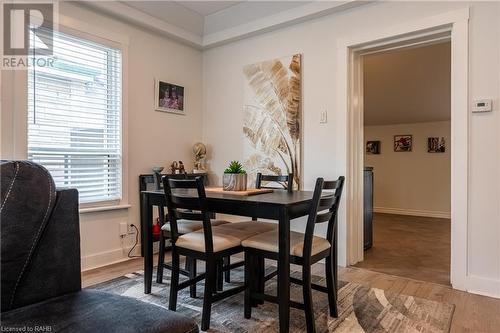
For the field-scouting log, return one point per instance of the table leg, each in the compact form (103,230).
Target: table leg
(147,241)
(284,271)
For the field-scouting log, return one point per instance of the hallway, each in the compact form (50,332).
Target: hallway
(410,246)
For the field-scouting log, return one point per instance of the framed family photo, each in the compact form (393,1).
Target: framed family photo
(169,97)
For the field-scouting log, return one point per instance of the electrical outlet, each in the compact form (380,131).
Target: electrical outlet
(131,229)
(123,229)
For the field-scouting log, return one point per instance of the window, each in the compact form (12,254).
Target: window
(74,117)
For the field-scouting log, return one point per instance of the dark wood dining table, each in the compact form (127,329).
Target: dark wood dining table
(279,205)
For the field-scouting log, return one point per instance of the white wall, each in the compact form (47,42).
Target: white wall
(416,182)
(325,144)
(156,138)
(153,138)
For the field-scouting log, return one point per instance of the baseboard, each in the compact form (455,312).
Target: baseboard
(106,258)
(483,286)
(412,212)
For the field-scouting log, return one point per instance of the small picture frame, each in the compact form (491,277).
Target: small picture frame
(373,147)
(436,145)
(169,97)
(403,143)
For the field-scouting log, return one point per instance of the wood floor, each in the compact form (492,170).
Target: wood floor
(410,246)
(473,313)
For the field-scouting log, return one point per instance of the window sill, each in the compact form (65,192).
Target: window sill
(103,208)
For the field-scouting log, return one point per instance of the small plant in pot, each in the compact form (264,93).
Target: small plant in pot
(235,177)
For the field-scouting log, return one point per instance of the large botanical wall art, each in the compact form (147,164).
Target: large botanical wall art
(272,120)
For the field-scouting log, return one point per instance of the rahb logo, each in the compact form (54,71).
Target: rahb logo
(28,30)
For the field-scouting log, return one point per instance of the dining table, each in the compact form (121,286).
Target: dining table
(281,206)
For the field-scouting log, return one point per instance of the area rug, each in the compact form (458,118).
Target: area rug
(361,308)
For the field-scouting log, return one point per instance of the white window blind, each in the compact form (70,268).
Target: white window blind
(74,117)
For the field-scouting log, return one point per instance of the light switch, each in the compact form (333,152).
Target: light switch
(323,117)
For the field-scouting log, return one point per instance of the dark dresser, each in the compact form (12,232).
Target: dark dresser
(368,207)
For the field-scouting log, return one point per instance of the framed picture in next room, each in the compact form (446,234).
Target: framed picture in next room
(373,147)
(169,97)
(436,145)
(403,143)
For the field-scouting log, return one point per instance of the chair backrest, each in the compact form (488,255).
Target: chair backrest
(186,200)
(159,177)
(324,209)
(285,181)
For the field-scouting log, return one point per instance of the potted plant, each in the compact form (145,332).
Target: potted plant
(235,177)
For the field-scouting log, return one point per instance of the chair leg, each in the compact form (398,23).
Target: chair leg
(192,275)
(227,274)
(174,281)
(220,275)
(307,294)
(210,281)
(261,277)
(255,274)
(248,286)
(161,260)
(332,286)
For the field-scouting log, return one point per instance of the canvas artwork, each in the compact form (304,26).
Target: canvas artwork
(272,118)
(373,147)
(403,143)
(436,145)
(169,97)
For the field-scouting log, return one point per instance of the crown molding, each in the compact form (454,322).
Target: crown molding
(269,23)
(132,15)
(279,20)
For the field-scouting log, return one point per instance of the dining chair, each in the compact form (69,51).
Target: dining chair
(284,181)
(186,199)
(306,249)
(184,226)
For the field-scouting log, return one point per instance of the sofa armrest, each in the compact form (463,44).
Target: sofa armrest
(55,267)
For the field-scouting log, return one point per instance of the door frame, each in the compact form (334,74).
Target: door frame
(454,26)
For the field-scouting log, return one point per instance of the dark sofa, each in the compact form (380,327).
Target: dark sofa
(40,265)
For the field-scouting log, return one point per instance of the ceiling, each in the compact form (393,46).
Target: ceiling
(205,8)
(205,24)
(408,86)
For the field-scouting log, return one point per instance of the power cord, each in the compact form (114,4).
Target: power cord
(136,242)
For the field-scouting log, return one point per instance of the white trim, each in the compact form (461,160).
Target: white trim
(103,208)
(483,286)
(107,258)
(412,212)
(279,20)
(144,20)
(349,100)
(262,25)
(460,164)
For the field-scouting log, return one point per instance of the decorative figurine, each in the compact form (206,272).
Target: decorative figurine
(200,151)
(181,167)
(174,167)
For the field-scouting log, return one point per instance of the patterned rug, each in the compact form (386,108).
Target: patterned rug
(361,309)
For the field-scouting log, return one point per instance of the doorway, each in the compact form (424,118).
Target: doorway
(407,160)
(454,27)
